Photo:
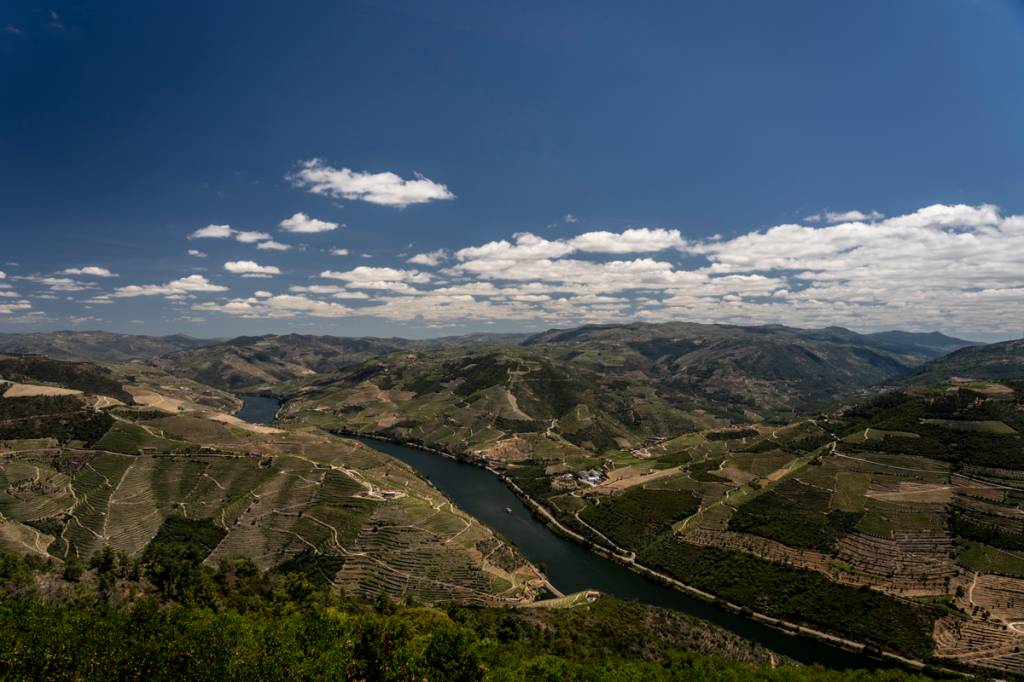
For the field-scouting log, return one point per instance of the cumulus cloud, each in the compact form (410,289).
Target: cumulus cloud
(263,240)
(952,267)
(281,306)
(274,246)
(16,306)
(638,240)
(383,189)
(300,222)
(334,290)
(529,246)
(212,232)
(248,268)
(431,258)
(832,217)
(251,237)
(89,270)
(176,288)
(3,275)
(195,253)
(339,252)
(58,283)
(365,273)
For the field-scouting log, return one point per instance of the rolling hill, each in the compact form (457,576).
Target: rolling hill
(263,362)
(606,387)
(992,362)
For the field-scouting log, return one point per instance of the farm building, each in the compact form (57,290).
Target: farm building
(591,476)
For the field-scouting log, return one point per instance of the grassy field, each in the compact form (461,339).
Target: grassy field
(131,438)
(985,559)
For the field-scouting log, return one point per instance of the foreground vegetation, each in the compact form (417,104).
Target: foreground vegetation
(235,622)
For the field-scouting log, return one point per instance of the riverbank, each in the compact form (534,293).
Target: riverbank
(863,652)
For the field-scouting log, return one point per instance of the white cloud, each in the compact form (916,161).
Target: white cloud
(195,253)
(300,222)
(569,219)
(958,268)
(248,268)
(212,232)
(8,308)
(332,289)
(263,240)
(431,258)
(365,273)
(274,246)
(91,270)
(251,237)
(185,285)
(281,306)
(833,217)
(58,283)
(3,275)
(383,189)
(637,240)
(339,252)
(529,246)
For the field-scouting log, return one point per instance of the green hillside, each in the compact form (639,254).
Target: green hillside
(169,618)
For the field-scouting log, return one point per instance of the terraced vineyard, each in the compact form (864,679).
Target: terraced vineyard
(347,515)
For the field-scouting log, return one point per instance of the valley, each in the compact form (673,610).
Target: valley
(855,488)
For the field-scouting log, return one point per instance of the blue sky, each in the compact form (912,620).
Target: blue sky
(805,163)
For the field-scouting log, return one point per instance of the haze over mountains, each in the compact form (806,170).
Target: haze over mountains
(98,345)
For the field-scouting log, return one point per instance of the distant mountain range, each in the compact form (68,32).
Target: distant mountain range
(772,366)
(778,364)
(98,345)
(601,387)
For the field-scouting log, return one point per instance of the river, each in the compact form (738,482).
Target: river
(258,409)
(569,566)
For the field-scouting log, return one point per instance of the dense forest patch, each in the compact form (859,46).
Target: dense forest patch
(797,594)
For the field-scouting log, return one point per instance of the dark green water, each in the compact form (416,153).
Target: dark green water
(572,568)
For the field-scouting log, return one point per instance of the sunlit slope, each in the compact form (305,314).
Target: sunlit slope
(602,388)
(78,474)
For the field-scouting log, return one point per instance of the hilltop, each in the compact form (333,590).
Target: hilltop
(992,362)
